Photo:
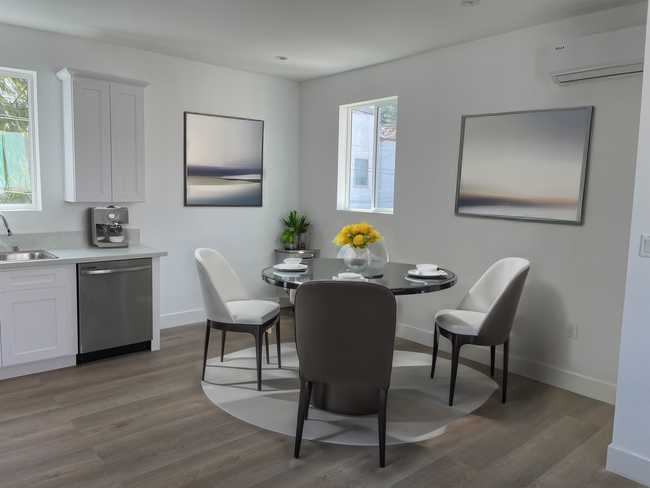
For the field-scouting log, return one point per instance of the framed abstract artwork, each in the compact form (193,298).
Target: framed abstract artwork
(524,165)
(222,160)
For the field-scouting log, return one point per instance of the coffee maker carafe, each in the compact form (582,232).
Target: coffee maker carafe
(106,226)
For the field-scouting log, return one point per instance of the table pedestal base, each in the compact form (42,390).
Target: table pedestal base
(346,400)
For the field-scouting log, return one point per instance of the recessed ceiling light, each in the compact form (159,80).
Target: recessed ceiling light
(469,3)
(281,58)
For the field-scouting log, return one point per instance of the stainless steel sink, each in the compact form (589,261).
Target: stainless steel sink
(26,255)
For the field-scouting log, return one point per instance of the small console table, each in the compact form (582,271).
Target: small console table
(282,254)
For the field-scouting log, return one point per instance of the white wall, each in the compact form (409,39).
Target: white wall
(629,453)
(577,273)
(246,236)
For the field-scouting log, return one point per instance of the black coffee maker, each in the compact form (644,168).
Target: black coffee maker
(106,226)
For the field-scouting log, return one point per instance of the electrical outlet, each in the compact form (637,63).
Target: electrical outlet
(572,331)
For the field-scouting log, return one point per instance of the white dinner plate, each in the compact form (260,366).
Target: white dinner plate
(420,280)
(289,274)
(291,267)
(414,273)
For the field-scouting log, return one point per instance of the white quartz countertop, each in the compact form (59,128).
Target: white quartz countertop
(87,254)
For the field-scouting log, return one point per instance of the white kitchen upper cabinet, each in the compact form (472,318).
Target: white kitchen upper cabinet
(103,119)
(92,141)
(127,147)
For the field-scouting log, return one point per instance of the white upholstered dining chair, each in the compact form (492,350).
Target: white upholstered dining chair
(484,317)
(228,307)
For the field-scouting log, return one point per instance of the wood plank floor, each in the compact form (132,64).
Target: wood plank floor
(142,421)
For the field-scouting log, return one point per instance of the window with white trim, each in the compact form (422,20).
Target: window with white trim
(367,143)
(19,178)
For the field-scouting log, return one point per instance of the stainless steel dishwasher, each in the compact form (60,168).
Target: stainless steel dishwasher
(115,308)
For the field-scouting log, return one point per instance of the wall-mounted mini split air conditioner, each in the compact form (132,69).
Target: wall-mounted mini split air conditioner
(600,56)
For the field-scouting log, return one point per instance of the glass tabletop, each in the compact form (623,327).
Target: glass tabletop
(392,275)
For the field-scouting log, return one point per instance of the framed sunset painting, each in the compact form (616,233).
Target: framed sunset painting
(223,160)
(524,165)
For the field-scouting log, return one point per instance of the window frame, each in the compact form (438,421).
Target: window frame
(34,155)
(345,181)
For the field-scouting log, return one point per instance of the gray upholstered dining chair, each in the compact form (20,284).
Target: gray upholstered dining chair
(229,307)
(484,317)
(345,334)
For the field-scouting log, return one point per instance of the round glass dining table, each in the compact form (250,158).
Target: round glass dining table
(339,398)
(392,275)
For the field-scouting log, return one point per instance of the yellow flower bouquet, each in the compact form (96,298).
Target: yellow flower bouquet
(357,236)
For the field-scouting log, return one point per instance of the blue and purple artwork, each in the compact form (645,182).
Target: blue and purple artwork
(524,165)
(223,160)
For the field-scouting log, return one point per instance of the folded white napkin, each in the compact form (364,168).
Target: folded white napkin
(350,276)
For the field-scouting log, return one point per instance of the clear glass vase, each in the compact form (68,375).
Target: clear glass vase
(356,259)
(299,243)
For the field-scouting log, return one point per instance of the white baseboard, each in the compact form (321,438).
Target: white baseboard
(628,464)
(37,366)
(182,318)
(583,385)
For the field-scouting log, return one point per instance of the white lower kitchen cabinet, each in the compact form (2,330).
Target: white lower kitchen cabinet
(38,319)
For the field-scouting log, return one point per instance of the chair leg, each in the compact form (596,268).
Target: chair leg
(223,343)
(383,401)
(492,354)
(310,386)
(436,338)
(277,338)
(456,344)
(506,352)
(303,403)
(266,339)
(205,349)
(258,357)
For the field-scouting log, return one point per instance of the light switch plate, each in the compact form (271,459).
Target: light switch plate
(645,246)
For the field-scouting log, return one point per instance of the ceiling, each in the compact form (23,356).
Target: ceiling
(319,37)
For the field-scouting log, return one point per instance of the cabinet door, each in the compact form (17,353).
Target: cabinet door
(33,325)
(92,140)
(127,142)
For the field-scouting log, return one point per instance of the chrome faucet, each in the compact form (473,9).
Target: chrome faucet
(7,229)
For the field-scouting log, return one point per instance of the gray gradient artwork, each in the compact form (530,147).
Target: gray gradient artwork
(223,160)
(524,165)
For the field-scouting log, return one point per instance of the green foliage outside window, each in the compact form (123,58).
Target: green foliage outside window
(15,176)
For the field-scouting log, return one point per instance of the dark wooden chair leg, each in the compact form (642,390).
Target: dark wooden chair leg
(223,343)
(277,338)
(258,357)
(456,343)
(436,334)
(506,352)
(310,386)
(266,339)
(381,417)
(492,354)
(300,422)
(205,349)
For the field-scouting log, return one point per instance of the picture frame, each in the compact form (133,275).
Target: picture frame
(222,160)
(529,165)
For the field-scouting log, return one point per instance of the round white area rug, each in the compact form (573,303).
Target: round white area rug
(417,405)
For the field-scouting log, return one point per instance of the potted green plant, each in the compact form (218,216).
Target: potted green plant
(299,226)
(288,239)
